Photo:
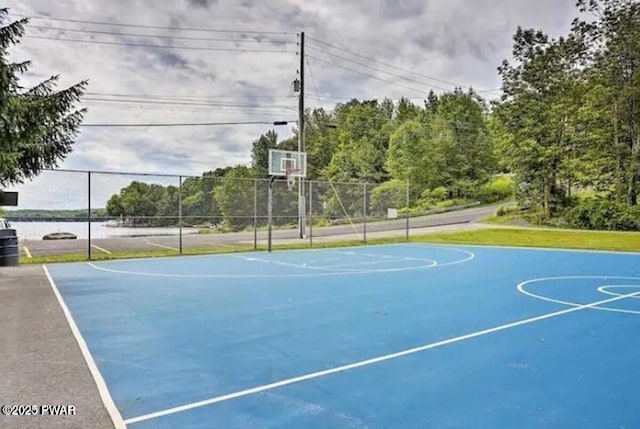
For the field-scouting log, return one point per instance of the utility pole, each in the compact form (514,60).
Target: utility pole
(301,132)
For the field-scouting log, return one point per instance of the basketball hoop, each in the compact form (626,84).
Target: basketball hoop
(291,177)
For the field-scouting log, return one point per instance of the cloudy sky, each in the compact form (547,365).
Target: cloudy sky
(242,67)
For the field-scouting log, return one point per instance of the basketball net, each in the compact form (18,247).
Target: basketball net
(291,178)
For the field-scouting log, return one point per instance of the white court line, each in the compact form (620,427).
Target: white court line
(605,289)
(113,411)
(328,267)
(470,256)
(521,289)
(371,255)
(372,361)
(101,249)
(331,250)
(382,257)
(269,261)
(162,246)
(379,261)
(358,264)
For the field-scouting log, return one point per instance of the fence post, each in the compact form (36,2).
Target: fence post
(269,212)
(180,211)
(255,214)
(301,208)
(310,214)
(89,215)
(407,214)
(364,211)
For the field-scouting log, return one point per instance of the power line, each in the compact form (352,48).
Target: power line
(367,75)
(159,36)
(315,85)
(494,90)
(182,103)
(188,124)
(157,27)
(184,97)
(179,109)
(194,48)
(383,63)
(364,97)
(376,69)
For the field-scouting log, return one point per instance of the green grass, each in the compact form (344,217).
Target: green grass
(82,257)
(209,231)
(504,220)
(593,240)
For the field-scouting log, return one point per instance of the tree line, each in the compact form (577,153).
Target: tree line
(568,124)
(441,152)
(79,215)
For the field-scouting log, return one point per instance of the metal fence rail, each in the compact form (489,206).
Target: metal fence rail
(132,214)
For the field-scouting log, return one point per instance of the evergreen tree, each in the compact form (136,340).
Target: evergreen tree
(38,125)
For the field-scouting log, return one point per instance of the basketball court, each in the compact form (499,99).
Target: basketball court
(404,335)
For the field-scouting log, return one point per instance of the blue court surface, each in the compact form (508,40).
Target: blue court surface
(397,336)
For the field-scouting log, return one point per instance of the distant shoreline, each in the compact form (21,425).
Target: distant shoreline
(35,230)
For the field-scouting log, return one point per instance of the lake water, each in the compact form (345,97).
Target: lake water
(35,230)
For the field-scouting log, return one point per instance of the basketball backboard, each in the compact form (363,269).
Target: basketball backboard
(287,163)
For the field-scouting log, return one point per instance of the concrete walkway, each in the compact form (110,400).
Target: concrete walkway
(40,361)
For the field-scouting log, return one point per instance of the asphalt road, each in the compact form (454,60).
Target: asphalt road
(201,241)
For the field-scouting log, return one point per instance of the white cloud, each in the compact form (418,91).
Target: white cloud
(455,40)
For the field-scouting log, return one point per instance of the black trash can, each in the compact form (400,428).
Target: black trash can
(9,250)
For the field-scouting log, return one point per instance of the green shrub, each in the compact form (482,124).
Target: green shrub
(390,194)
(430,198)
(498,189)
(451,203)
(508,210)
(321,222)
(602,214)
(437,194)
(536,217)
(425,205)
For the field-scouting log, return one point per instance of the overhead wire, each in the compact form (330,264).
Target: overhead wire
(367,75)
(178,109)
(374,60)
(181,124)
(185,103)
(146,45)
(156,27)
(376,69)
(364,97)
(393,66)
(243,32)
(183,97)
(315,85)
(160,36)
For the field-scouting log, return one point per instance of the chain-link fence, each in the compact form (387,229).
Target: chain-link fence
(71,215)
